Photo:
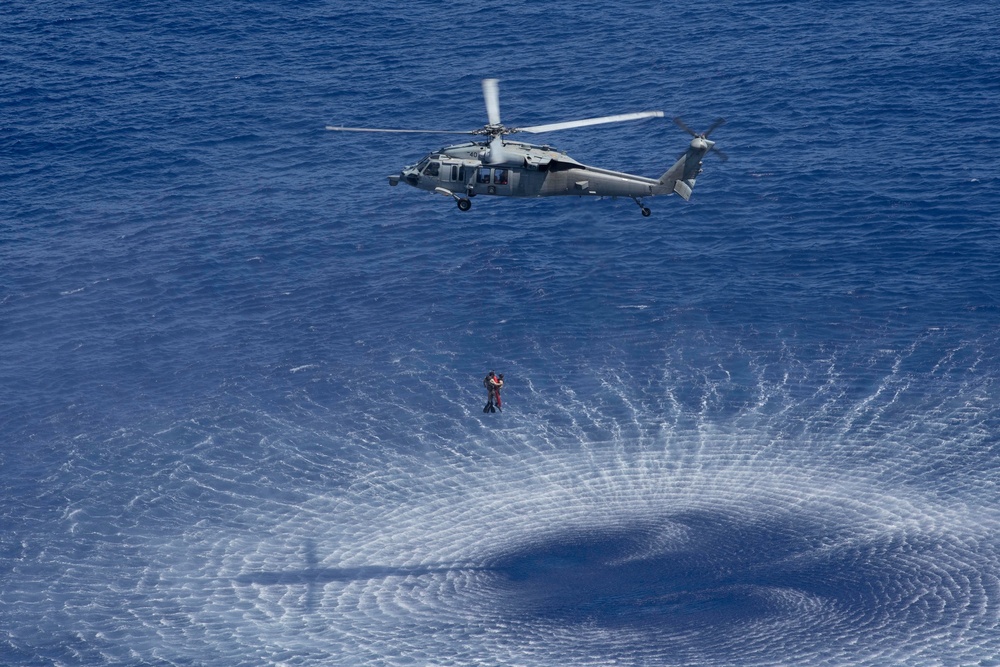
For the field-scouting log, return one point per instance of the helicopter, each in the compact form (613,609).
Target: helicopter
(497,165)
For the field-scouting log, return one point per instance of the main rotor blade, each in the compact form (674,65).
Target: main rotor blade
(491,93)
(380,129)
(497,154)
(551,127)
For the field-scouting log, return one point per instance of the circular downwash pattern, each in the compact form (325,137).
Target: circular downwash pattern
(591,557)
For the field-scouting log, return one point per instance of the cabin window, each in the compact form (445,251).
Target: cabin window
(461,174)
(500,176)
(432,169)
(484,175)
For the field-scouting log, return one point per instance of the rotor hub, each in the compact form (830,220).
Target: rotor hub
(493,130)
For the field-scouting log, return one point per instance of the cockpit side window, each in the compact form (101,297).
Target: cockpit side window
(500,176)
(484,175)
(432,169)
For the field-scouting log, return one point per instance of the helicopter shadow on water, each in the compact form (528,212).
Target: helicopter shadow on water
(314,577)
(695,571)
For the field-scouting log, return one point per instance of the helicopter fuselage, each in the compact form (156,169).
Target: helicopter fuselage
(526,170)
(497,166)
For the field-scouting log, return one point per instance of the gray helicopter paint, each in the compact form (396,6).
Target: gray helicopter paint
(500,167)
(540,172)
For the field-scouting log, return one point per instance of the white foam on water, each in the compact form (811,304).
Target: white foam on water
(610,523)
(454,562)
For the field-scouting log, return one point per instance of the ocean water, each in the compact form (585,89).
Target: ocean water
(240,376)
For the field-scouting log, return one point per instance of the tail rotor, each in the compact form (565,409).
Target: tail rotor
(704,135)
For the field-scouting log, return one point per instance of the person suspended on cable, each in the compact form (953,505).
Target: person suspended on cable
(490,383)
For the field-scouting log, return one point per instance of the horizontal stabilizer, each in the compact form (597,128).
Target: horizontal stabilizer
(684,189)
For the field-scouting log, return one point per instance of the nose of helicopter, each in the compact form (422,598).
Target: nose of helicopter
(410,175)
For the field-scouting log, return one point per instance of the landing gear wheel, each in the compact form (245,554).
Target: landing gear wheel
(645,211)
(464,204)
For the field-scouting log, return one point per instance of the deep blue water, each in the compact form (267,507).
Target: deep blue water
(240,376)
